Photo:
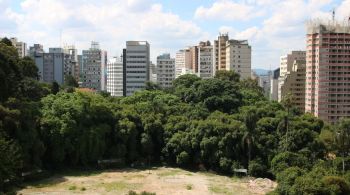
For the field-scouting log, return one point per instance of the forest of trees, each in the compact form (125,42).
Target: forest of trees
(221,124)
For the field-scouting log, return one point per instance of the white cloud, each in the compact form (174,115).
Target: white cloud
(109,22)
(227,10)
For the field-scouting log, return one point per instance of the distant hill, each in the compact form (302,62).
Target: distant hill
(260,71)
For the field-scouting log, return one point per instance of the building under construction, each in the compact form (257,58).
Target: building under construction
(328,70)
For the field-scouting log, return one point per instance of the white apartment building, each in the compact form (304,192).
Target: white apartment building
(115,77)
(136,64)
(286,66)
(165,70)
(20,46)
(183,62)
(94,72)
(238,57)
(205,60)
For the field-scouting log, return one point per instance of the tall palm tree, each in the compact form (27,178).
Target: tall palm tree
(250,120)
(287,102)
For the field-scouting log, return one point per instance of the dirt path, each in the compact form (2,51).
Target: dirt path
(162,181)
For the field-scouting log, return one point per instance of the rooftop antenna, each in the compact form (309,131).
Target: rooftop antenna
(333,15)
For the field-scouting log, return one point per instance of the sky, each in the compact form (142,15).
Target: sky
(272,27)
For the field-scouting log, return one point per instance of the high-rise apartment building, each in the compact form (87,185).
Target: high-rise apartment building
(20,46)
(205,60)
(232,55)
(165,70)
(286,66)
(183,62)
(294,84)
(328,70)
(136,66)
(94,72)
(220,52)
(274,84)
(115,77)
(238,57)
(52,66)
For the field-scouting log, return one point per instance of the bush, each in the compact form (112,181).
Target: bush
(287,178)
(257,169)
(336,185)
(183,158)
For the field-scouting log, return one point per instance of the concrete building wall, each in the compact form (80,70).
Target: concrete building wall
(165,70)
(137,62)
(274,85)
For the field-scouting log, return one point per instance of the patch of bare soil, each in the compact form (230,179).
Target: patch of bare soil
(162,181)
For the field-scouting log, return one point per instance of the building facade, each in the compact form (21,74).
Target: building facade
(220,52)
(73,53)
(294,84)
(115,77)
(165,70)
(205,60)
(286,66)
(328,70)
(238,57)
(52,66)
(20,46)
(274,84)
(94,71)
(183,62)
(136,66)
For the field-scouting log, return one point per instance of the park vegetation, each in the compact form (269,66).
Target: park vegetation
(220,124)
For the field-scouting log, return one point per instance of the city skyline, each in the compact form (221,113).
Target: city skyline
(167,25)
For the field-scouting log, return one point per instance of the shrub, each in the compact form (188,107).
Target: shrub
(257,169)
(287,178)
(336,185)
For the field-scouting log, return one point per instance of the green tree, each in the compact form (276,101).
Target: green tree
(55,88)
(227,75)
(343,139)
(28,68)
(250,120)
(70,81)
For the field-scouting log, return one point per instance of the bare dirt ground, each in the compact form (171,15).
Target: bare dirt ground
(162,181)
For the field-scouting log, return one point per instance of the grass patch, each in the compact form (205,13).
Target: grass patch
(220,189)
(72,188)
(119,186)
(169,173)
(134,176)
(189,186)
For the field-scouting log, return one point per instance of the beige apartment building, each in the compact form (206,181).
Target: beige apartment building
(220,52)
(294,84)
(238,57)
(328,70)
(183,62)
(230,54)
(286,66)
